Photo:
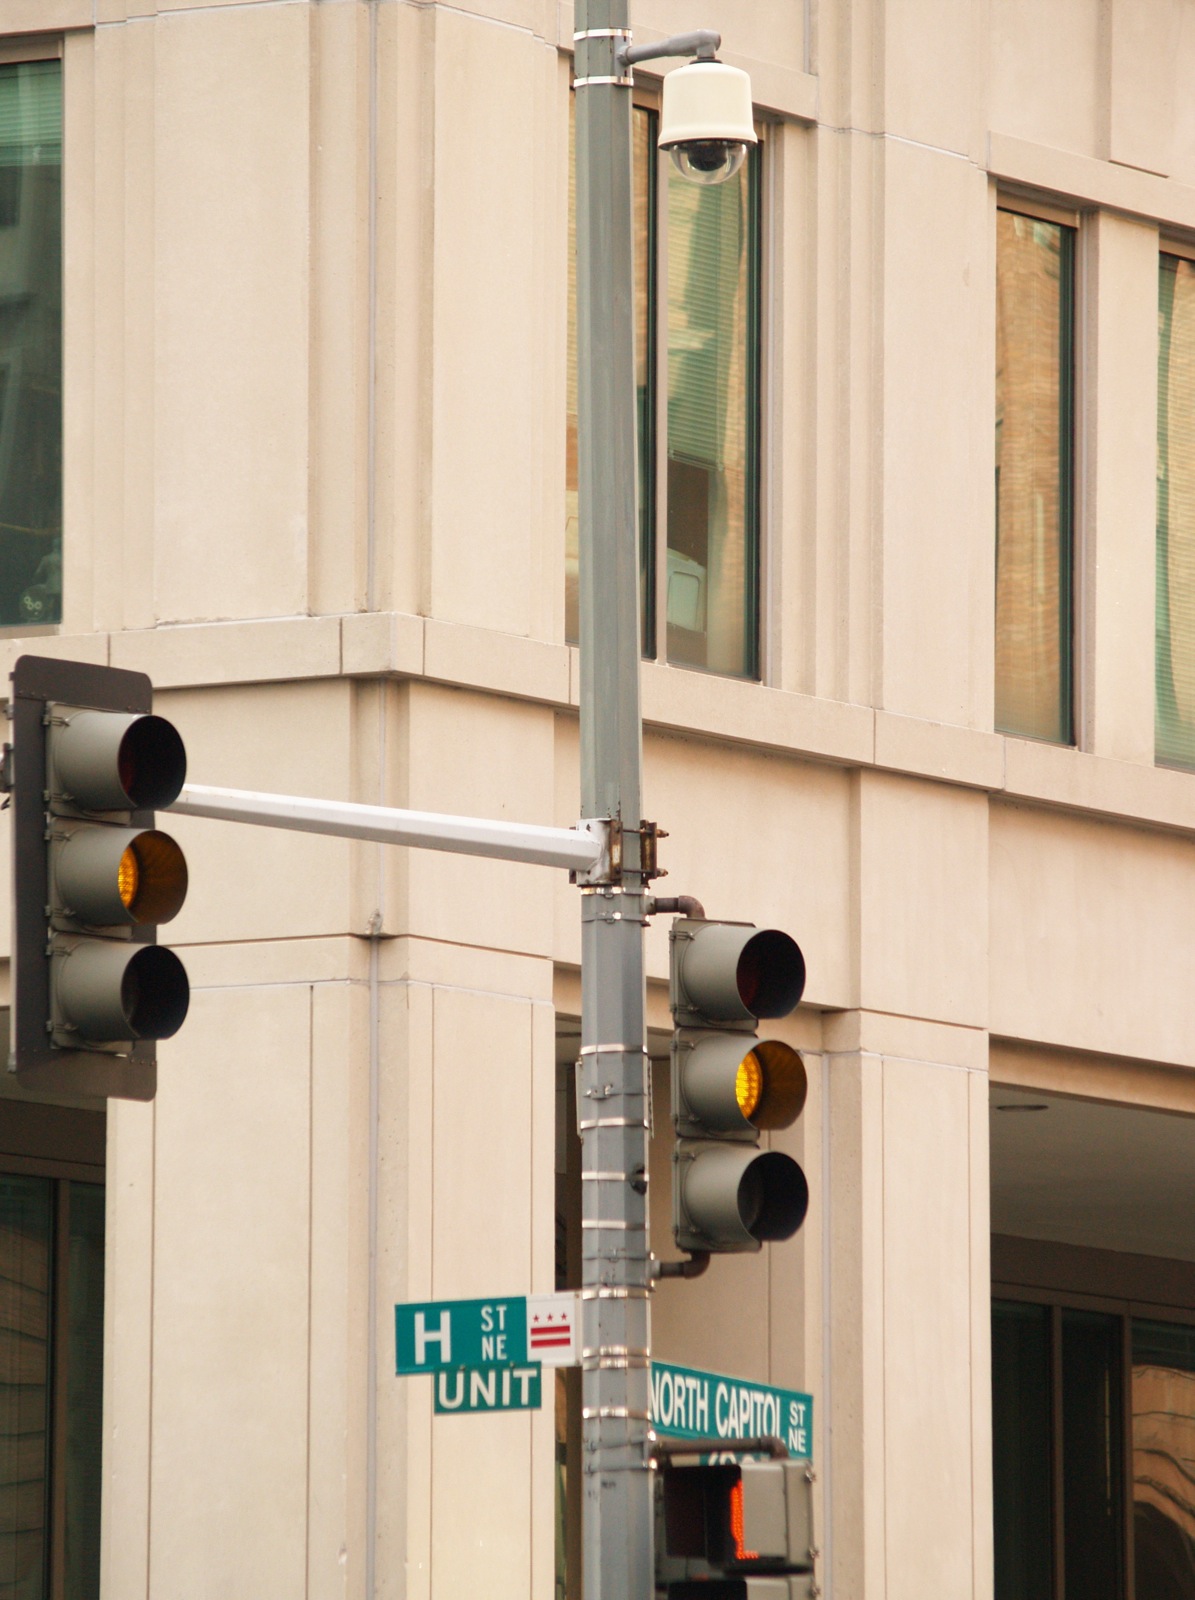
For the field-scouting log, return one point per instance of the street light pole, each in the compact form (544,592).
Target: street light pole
(706,124)
(612,1099)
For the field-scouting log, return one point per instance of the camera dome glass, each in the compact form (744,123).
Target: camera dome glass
(708,160)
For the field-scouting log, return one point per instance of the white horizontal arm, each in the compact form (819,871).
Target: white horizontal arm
(428,830)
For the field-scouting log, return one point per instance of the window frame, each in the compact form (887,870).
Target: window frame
(1071,466)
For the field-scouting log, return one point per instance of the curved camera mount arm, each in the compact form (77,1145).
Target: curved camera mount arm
(702,43)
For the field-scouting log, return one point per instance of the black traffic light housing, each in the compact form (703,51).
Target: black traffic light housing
(92,877)
(729,1086)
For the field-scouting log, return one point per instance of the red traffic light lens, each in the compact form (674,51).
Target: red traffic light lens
(151,763)
(770,973)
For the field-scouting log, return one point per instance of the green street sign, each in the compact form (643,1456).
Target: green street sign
(688,1404)
(510,1388)
(440,1334)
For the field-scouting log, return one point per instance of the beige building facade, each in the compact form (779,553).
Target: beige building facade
(315,478)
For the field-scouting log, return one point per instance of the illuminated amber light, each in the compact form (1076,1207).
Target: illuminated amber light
(748,1084)
(151,877)
(741,1553)
(782,1073)
(128,878)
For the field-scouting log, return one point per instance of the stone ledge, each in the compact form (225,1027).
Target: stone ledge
(701,705)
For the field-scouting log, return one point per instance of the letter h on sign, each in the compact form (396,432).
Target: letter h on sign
(442,1337)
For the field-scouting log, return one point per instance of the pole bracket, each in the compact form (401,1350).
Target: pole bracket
(606,869)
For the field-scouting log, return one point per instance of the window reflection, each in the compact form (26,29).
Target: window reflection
(1092,1455)
(711,587)
(26,1232)
(1034,361)
(51,1387)
(1175,594)
(705,309)
(30,343)
(1163,1397)
(1021,1487)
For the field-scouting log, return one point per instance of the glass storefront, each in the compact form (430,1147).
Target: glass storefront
(1093,1418)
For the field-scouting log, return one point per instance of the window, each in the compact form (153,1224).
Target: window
(697,280)
(30,343)
(51,1354)
(1174,655)
(1034,476)
(1093,1423)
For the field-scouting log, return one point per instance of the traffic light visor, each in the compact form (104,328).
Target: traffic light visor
(114,877)
(733,1084)
(729,972)
(118,761)
(735,1197)
(114,991)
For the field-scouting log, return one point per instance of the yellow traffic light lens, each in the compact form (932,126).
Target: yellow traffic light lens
(128,878)
(152,877)
(748,1085)
(770,1085)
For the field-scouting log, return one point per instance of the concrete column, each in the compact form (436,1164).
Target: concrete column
(465,1209)
(1117,477)
(907,1388)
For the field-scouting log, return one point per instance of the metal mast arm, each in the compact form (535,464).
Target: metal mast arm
(574,848)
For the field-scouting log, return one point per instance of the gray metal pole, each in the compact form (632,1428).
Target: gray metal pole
(612,1099)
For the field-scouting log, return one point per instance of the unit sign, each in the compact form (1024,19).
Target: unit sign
(510,1388)
(687,1404)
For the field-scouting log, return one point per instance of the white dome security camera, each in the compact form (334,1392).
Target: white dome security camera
(705,122)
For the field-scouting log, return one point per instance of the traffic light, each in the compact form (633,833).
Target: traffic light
(92,878)
(734,1531)
(729,1086)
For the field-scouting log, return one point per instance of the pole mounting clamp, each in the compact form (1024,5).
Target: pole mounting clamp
(608,866)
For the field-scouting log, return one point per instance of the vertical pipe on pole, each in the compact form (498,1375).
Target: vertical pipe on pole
(612,1085)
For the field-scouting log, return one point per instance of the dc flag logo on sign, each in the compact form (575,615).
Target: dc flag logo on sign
(552,1329)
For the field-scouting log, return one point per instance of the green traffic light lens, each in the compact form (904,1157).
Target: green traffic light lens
(773,1197)
(154,993)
